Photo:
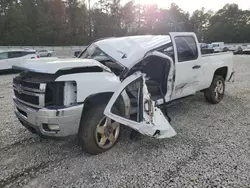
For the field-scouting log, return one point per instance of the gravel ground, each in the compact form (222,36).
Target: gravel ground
(211,148)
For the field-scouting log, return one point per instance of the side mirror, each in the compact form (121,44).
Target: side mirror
(76,54)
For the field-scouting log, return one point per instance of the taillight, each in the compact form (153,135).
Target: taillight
(38,56)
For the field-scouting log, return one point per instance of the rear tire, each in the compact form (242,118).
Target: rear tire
(89,138)
(215,93)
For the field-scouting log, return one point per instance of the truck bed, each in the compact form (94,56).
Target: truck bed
(215,54)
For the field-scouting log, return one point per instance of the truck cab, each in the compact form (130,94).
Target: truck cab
(115,82)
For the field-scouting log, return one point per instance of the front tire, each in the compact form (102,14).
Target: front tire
(215,93)
(97,133)
(49,55)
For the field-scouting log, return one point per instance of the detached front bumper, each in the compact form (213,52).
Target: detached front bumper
(45,122)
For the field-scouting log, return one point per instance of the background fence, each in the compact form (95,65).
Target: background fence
(59,51)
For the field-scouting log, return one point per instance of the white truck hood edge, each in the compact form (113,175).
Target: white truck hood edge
(52,65)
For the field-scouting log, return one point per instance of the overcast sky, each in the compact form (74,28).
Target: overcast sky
(191,5)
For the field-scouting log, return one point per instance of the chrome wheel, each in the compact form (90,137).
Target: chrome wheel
(219,89)
(215,93)
(107,132)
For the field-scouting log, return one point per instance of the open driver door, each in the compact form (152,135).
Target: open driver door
(148,120)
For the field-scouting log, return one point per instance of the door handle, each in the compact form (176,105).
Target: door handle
(196,67)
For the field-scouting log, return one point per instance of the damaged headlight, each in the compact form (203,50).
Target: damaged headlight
(60,93)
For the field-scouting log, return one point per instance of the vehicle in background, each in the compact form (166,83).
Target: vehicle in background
(247,50)
(206,48)
(45,53)
(232,48)
(203,45)
(244,46)
(236,49)
(219,47)
(210,46)
(114,82)
(225,49)
(14,57)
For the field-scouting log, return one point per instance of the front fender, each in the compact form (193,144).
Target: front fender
(93,86)
(92,83)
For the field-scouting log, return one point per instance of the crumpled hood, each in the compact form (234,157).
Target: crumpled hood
(129,50)
(52,65)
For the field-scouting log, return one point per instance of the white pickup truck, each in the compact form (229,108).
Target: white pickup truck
(128,79)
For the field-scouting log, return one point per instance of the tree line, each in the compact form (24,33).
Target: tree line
(73,22)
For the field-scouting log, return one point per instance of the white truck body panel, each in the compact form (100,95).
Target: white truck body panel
(190,79)
(200,78)
(87,83)
(211,62)
(187,78)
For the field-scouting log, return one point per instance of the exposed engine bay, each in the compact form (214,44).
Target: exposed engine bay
(93,52)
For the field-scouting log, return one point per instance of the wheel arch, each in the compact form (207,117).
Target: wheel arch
(222,71)
(122,104)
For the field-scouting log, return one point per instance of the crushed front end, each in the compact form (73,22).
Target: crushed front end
(47,107)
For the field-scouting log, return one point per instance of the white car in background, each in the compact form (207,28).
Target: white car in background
(219,47)
(9,58)
(45,53)
(244,46)
(247,50)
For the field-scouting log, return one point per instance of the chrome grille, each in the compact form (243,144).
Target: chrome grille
(32,94)
(26,84)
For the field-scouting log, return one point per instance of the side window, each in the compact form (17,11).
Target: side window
(186,48)
(3,55)
(27,53)
(15,54)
